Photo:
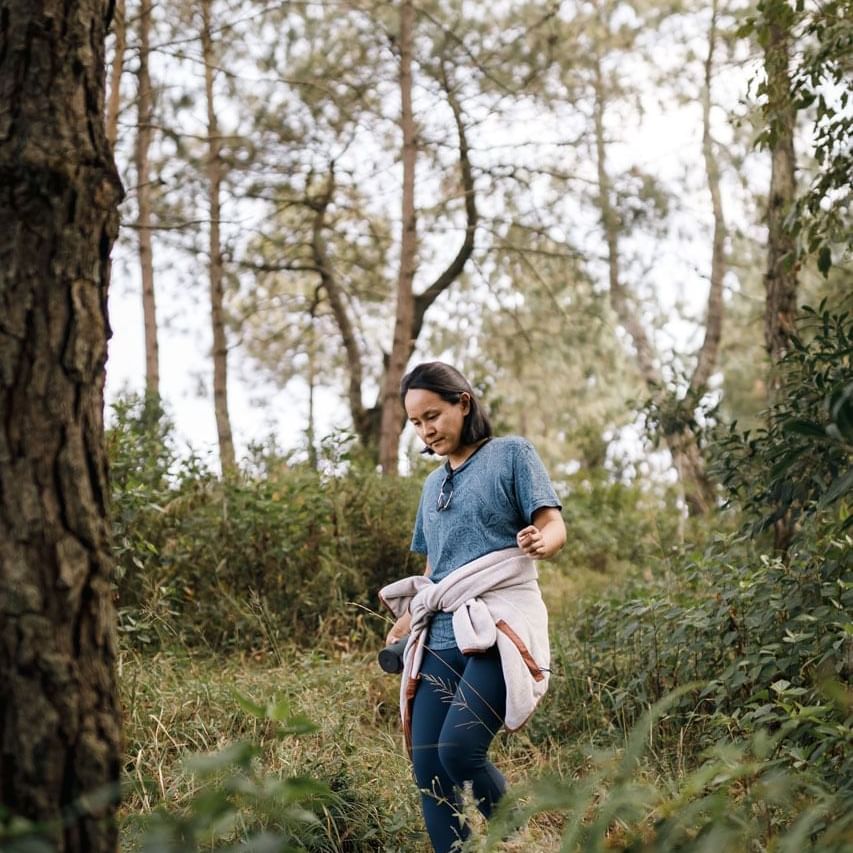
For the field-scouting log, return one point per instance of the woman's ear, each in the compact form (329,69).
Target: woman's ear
(465,402)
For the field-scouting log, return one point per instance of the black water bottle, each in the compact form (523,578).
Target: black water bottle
(391,657)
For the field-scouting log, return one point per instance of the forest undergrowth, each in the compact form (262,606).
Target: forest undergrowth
(700,696)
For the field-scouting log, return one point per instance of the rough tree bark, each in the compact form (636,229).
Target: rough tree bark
(392,413)
(217,311)
(145,107)
(59,191)
(119,48)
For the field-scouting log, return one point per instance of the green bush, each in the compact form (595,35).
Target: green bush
(741,796)
(767,636)
(285,554)
(613,524)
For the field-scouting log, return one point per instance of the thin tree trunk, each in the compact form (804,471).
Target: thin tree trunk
(310,432)
(781,278)
(145,106)
(707,358)
(423,301)
(119,48)
(59,192)
(686,458)
(610,222)
(368,421)
(392,413)
(362,418)
(217,313)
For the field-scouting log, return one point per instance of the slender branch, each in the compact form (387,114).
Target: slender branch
(456,266)
(330,284)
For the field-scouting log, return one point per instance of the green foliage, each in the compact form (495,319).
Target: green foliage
(235,799)
(194,737)
(766,642)
(255,560)
(613,524)
(751,642)
(802,461)
(740,797)
(744,657)
(820,41)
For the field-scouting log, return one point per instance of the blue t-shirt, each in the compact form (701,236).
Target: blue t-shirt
(496,491)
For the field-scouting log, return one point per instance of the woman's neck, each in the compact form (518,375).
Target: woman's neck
(461,454)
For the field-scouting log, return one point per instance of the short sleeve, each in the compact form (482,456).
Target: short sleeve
(533,489)
(419,544)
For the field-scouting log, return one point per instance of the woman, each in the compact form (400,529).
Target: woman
(477,655)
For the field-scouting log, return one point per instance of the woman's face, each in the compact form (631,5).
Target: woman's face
(437,422)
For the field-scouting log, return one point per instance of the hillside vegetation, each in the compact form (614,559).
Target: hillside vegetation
(701,685)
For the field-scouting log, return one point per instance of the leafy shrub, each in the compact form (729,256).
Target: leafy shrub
(766,642)
(802,461)
(613,523)
(741,796)
(767,637)
(251,560)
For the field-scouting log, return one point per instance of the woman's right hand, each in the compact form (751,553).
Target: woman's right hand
(400,629)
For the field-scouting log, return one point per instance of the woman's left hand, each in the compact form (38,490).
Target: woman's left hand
(532,542)
(545,536)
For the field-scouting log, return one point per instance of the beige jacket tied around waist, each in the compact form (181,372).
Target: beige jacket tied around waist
(494,599)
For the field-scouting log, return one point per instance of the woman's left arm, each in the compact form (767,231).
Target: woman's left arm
(545,536)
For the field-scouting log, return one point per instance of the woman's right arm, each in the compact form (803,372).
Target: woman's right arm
(403,625)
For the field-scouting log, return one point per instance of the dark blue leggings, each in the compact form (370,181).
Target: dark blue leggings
(458,709)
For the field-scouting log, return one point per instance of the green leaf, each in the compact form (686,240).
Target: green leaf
(249,706)
(295,726)
(841,410)
(798,426)
(299,789)
(277,710)
(238,754)
(824,260)
(840,486)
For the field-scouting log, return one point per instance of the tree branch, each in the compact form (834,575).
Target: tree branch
(454,269)
(330,284)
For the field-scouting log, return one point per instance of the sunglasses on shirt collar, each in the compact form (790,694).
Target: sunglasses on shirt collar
(444,500)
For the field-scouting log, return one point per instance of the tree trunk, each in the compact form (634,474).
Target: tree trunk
(362,418)
(59,191)
(311,432)
(145,107)
(610,223)
(454,269)
(411,309)
(392,412)
(686,458)
(707,358)
(114,103)
(217,313)
(781,278)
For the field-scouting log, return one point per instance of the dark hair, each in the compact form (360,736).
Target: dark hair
(450,385)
